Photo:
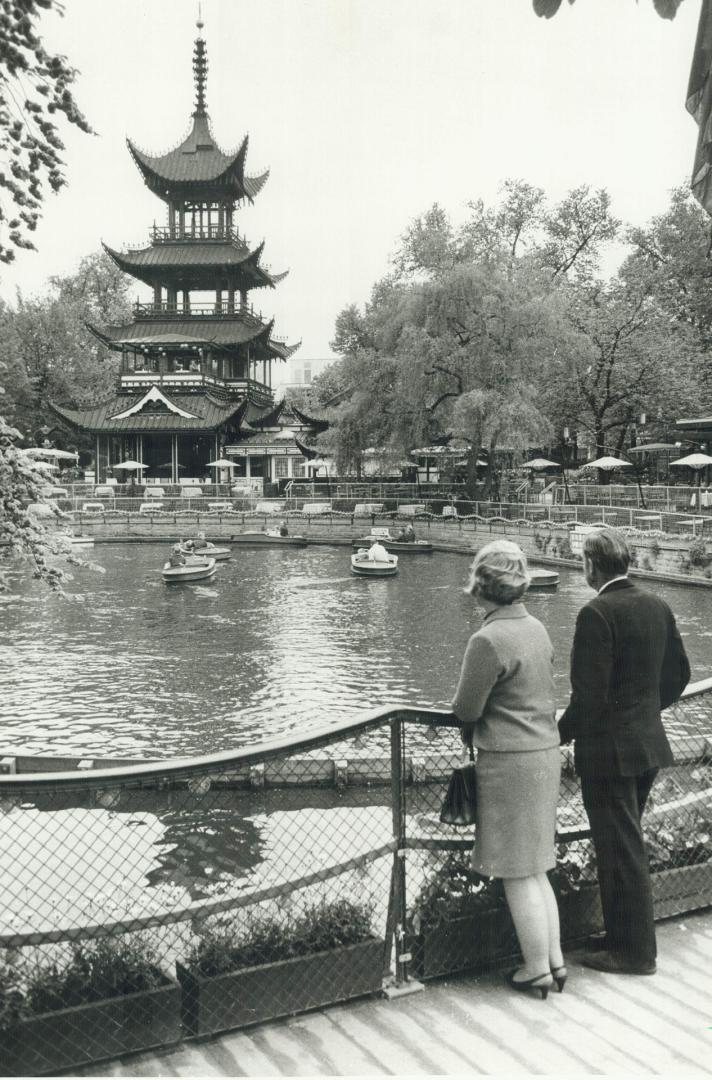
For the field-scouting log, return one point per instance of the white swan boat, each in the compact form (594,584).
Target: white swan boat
(362,566)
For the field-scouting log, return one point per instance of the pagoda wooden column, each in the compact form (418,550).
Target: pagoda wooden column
(172,297)
(157,296)
(269,373)
(175,471)
(231,299)
(186,301)
(218,301)
(172,221)
(243,299)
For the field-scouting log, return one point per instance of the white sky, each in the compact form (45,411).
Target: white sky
(366,112)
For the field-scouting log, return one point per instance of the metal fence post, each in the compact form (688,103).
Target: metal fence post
(397,904)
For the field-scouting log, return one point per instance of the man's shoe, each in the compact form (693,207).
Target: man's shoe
(615,964)
(597,941)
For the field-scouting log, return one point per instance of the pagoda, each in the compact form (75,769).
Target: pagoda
(196,361)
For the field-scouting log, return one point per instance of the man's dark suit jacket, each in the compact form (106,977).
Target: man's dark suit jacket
(627,663)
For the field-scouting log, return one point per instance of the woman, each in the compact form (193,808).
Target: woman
(505,701)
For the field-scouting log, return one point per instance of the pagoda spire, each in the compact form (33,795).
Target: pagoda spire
(200,69)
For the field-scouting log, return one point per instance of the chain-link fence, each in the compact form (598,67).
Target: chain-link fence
(146,905)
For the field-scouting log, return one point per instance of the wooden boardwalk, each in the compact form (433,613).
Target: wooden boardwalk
(601,1025)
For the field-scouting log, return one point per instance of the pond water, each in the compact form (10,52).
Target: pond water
(281,639)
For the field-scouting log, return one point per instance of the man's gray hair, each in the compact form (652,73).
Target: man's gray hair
(499,572)
(608,551)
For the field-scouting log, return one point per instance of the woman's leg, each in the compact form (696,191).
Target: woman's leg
(531,921)
(556,958)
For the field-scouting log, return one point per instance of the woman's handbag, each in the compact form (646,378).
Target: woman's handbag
(460,802)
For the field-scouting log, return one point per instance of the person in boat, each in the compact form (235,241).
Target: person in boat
(377,552)
(177,558)
(406,534)
(199,542)
(283,530)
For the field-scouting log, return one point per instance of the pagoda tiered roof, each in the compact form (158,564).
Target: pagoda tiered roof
(198,164)
(179,412)
(225,332)
(195,260)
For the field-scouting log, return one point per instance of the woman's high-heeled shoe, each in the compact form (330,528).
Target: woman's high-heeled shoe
(559,974)
(537,983)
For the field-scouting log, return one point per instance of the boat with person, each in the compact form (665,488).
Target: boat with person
(206,549)
(191,568)
(395,542)
(364,566)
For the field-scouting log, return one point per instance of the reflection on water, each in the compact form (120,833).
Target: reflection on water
(280,639)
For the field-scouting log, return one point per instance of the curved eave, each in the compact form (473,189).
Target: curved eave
(200,273)
(310,421)
(102,337)
(254,184)
(261,419)
(163,174)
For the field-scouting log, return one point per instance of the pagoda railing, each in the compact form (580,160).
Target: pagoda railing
(165,234)
(166,310)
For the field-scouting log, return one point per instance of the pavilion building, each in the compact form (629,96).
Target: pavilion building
(195,380)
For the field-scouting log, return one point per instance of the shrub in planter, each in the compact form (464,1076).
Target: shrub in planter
(458,920)
(253,967)
(108,998)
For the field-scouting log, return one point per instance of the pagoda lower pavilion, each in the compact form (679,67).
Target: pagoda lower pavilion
(196,361)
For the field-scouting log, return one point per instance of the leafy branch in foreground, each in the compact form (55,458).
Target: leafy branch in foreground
(34,88)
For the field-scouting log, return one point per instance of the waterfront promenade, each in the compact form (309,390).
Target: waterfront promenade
(601,1025)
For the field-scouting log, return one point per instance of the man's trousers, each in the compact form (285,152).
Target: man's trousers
(614,805)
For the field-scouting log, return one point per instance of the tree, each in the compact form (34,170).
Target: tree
(48,351)
(666,9)
(24,482)
(35,88)
(620,356)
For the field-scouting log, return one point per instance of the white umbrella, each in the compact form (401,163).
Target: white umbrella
(221,463)
(50,452)
(606,463)
(540,463)
(694,461)
(132,465)
(698,462)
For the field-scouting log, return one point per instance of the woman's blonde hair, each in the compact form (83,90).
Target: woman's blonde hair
(499,573)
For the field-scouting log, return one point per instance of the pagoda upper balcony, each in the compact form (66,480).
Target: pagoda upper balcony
(216,309)
(167,234)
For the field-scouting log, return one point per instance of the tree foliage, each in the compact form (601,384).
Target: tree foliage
(666,9)
(48,351)
(35,91)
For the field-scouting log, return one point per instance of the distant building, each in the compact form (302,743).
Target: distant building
(299,372)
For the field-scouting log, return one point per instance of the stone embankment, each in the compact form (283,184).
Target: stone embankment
(664,557)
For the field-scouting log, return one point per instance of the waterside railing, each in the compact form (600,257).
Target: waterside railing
(150,855)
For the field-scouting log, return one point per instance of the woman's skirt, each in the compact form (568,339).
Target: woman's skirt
(517,793)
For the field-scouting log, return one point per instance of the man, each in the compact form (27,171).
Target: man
(377,552)
(627,663)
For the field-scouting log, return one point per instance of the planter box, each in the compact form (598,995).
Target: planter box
(252,995)
(685,888)
(468,941)
(93,1032)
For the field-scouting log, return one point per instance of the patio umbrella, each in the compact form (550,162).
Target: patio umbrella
(607,464)
(221,463)
(540,463)
(50,452)
(131,465)
(698,462)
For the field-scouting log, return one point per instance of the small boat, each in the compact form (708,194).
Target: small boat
(206,550)
(268,536)
(542,580)
(362,566)
(80,539)
(393,544)
(193,569)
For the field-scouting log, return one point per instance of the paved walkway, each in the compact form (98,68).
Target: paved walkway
(601,1024)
